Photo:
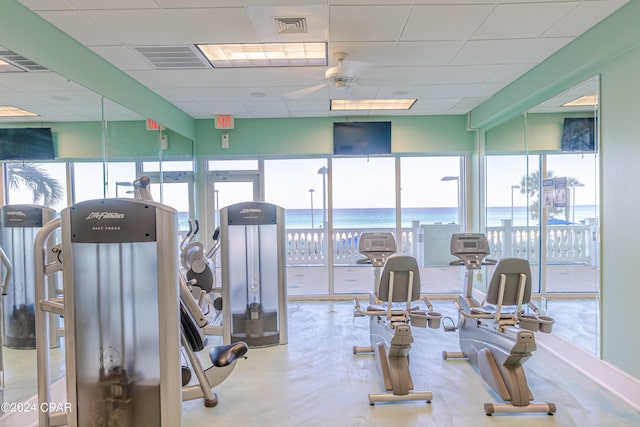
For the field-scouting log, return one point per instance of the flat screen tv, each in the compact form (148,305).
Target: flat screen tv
(578,134)
(361,138)
(26,144)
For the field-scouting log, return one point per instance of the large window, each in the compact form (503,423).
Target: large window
(43,184)
(432,209)
(300,187)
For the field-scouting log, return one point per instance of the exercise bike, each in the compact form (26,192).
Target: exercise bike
(497,336)
(392,311)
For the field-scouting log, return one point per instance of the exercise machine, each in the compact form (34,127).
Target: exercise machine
(125,322)
(4,286)
(18,228)
(199,271)
(392,310)
(497,336)
(254,290)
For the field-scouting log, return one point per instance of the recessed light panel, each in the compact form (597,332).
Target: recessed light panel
(265,54)
(11,111)
(371,104)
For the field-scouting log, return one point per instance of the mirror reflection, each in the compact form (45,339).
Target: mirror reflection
(99,149)
(542,175)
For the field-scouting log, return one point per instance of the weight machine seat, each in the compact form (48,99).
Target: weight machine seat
(224,355)
(401,265)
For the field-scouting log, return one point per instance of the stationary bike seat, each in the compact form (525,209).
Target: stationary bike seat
(224,355)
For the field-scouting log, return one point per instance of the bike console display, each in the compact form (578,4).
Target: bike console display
(377,247)
(470,248)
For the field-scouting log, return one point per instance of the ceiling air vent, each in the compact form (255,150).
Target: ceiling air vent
(173,57)
(291,25)
(19,61)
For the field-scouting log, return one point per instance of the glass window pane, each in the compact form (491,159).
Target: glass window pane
(512,209)
(306,218)
(168,166)
(88,181)
(232,165)
(430,214)
(572,248)
(364,199)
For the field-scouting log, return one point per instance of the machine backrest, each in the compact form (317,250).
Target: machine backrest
(401,265)
(512,268)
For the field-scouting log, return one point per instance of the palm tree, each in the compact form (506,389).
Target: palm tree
(530,185)
(46,190)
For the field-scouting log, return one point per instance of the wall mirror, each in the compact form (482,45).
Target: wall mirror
(100,149)
(542,203)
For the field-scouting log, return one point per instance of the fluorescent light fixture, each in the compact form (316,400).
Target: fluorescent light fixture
(6,67)
(583,101)
(265,54)
(11,111)
(371,104)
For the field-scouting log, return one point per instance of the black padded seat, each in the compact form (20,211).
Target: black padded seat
(224,355)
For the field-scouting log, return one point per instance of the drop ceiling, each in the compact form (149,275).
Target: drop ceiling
(449,55)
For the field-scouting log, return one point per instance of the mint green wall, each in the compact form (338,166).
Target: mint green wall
(620,150)
(543,133)
(125,140)
(314,136)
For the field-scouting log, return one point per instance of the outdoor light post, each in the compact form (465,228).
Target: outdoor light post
(513,187)
(457,180)
(323,171)
(573,200)
(311,195)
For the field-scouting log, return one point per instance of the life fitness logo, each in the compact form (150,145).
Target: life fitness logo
(251,211)
(105,215)
(16,213)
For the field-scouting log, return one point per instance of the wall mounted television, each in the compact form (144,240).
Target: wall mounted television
(26,144)
(578,134)
(361,138)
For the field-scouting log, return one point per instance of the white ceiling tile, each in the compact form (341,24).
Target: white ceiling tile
(449,91)
(476,52)
(425,53)
(374,23)
(584,16)
(522,20)
(212,25)
(114,4)
(444,22)
(137,27)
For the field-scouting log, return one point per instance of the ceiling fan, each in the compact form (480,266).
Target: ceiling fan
(340,76)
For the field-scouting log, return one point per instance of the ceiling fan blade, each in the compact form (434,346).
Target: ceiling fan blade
(301,93)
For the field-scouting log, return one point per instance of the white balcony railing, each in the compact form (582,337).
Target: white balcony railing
(566,244)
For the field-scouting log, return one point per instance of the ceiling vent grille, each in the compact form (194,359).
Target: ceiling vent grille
(291,25)
(173,57)
(19,61)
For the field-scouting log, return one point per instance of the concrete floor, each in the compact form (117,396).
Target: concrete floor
(316,380)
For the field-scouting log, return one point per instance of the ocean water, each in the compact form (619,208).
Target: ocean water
(385,217)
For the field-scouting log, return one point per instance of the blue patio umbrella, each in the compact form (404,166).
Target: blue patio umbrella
(557,221)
